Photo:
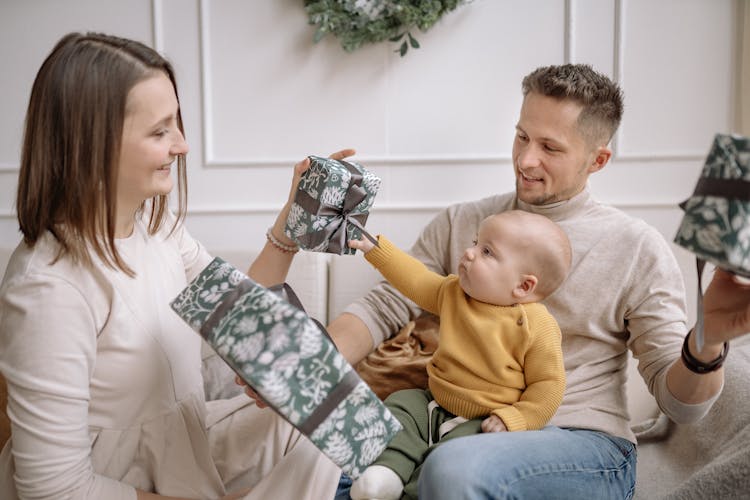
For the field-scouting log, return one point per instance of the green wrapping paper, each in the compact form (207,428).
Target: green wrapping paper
(716,222)
(331,206)
(290,362)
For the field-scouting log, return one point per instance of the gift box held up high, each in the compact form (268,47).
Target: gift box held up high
(331,206)
(716,223)
(290,362)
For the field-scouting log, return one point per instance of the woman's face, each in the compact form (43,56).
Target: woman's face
(151,141)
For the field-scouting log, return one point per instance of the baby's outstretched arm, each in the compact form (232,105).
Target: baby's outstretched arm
(362,244)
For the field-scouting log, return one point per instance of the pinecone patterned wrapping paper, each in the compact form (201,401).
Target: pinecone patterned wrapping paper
(290,362)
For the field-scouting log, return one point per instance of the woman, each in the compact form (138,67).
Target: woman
(104,380)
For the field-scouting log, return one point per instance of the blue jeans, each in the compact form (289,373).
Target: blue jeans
(549,463)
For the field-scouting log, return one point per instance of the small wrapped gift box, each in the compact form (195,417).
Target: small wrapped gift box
(290,362)
(331,205)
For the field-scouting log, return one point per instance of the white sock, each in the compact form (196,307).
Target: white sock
(377,482)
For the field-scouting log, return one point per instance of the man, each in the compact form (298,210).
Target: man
(625,291)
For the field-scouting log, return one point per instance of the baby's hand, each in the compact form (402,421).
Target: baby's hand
(493,423)
(363,244)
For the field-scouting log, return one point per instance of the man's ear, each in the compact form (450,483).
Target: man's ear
(600,157)
(525,287)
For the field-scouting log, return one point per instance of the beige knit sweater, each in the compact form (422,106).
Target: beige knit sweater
(624,291)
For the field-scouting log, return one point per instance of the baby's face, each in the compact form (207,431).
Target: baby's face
(490,270)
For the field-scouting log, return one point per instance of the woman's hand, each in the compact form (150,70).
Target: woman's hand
(237,495)
(303,165)
(300,168)
(272,264)
(251,392)
(726,308)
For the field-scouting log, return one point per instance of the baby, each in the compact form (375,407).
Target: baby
(499,363)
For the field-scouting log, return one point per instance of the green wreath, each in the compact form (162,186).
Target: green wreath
(358,22)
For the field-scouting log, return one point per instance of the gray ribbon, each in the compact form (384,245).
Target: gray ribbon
(338,393)
(731,189)
(335,232)
(700,264)
(334,398)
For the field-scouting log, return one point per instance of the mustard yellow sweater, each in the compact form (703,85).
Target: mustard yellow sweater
(505,360)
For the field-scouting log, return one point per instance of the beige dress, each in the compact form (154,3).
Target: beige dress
(105,387)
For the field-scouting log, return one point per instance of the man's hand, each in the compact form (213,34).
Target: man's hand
(493,423)
(726,308)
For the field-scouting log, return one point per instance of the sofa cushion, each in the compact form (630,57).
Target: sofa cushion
(401,361)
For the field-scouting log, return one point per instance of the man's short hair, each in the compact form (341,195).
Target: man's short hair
(601,99)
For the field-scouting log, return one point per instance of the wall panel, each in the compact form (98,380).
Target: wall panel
(437,125)
(677,72)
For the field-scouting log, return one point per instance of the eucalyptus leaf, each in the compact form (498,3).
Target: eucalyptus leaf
(367,22)
(413,42)
(319,34)
(404,48)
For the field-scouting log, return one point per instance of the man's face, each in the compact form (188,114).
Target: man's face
(551,159)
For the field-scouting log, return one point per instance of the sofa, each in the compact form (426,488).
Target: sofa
(710,459)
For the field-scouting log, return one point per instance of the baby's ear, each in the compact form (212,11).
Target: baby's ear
(525,286)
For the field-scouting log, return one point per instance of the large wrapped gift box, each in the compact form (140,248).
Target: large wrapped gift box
(290,362)
(331,205)
(716,222)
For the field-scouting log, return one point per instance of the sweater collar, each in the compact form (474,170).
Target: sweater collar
(559,210)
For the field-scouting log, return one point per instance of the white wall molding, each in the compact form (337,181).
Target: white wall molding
(618,148)
(206,103)
(570,29)
(391,209)
(458,149)
(372,161)
(617,67)
(661,157)
(157,25)
(212,161)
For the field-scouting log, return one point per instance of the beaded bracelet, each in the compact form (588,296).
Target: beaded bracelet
(697,366)
(278,244)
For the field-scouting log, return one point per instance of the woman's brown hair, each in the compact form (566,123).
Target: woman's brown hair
(69,161)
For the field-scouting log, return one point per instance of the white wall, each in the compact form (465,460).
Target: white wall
(436,125)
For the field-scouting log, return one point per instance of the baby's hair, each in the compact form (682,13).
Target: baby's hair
(549,255)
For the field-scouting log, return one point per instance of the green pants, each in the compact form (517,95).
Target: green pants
(410,447)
